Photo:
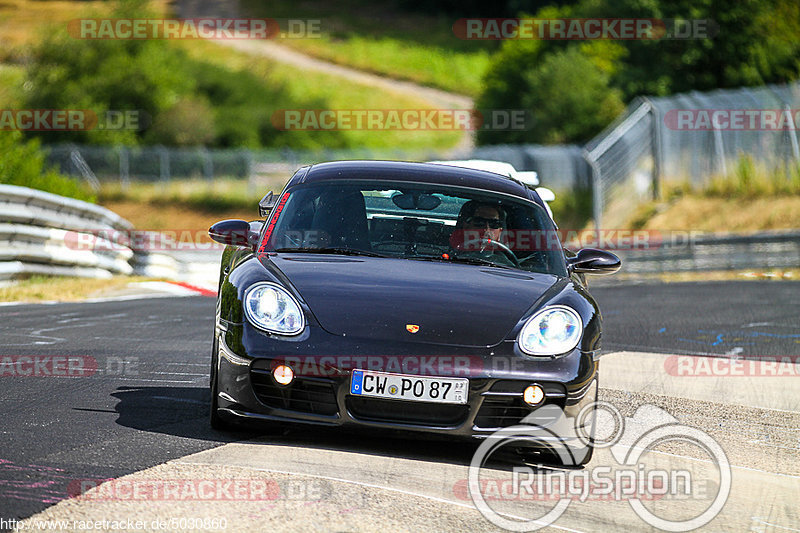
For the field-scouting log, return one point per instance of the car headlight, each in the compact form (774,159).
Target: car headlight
(552,331)
(270,307)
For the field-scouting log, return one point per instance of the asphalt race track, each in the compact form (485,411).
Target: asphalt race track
(138,392)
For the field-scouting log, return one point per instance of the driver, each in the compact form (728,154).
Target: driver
(478,226)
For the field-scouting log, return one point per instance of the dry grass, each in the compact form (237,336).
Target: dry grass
(186,204)
(792,274)
(712,214)
(153,217)
(21,21)
(45,288)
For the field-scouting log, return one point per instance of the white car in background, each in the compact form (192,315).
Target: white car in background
(529,178)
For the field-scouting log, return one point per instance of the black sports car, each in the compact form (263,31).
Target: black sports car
(408,296)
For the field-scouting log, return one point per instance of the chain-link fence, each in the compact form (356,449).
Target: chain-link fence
(689,138)
(559,167)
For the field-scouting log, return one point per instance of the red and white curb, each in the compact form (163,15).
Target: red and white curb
(177,288)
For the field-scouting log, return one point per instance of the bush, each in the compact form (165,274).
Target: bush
(567,87)
(191,102)
(573,115)
(22,163)
(190,122)
(751,179)
(572,209)
(106,74)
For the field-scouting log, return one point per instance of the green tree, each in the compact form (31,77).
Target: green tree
(575,114)
(566,87)
(752,42)
(106,74)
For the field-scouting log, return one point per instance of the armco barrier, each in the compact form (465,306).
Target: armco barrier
(34,230)
(38,231)
(763,250)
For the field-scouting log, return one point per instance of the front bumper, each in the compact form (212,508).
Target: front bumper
(320,393)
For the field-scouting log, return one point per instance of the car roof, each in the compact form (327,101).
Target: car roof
(413,172)
(498,167)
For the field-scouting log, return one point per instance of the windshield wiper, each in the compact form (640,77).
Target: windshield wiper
(334,251)
(478,261)
(457,259)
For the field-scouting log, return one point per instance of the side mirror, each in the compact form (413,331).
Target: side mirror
(594,261)
(235,232)
(266,204)
(545,194)
(528,177)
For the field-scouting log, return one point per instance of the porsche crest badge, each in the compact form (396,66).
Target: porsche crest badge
(412,328)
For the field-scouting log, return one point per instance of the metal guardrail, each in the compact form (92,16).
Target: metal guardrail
(648,148)
(560,167)
(763,250)
(41,233)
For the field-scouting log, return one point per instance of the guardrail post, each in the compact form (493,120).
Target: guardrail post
(657,149)
(719,151)
(249,171)
(793,134)
(163,163)
(124,168)
(597,191)
(208,164)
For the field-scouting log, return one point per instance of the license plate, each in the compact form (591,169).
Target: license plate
(405,387)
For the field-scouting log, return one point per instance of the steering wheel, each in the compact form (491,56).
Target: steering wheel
(538,257)
(417,247)
(505,249)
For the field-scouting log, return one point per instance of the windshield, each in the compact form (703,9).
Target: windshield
(418,222)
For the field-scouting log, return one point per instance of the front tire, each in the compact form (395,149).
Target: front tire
(216,421)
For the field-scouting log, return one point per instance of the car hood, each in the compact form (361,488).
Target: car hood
(377,298)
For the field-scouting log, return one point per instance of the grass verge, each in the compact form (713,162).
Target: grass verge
(336,93)
(62,289)
(750,198)
(22,22)
(792,274)
(380,37)
(192,205)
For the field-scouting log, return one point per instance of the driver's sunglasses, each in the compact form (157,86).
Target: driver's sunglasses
(481,222)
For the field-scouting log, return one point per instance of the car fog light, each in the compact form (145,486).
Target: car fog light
(533,395)
(283,374)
